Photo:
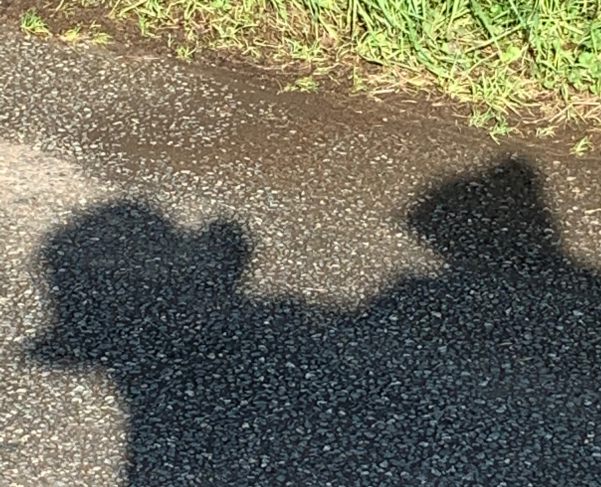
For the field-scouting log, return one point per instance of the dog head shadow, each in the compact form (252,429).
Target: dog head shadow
(494,219)
(128,285)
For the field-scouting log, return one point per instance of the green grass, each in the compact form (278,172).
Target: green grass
(184,53)
(72,35)
(33,24)
(505,59)
(581,147)
(305,84)
(92,34)
(100,38)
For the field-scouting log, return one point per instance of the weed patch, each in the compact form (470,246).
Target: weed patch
(505,59)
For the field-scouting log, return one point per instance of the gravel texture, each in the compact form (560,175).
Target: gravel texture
(207,283)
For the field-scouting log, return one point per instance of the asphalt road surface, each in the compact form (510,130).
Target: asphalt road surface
(204,282)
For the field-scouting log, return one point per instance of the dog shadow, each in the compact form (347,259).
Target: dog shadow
(484,374)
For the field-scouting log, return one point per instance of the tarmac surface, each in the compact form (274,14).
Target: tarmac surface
(205,282)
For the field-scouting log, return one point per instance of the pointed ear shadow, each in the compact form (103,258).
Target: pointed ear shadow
(109,269)
(496,215)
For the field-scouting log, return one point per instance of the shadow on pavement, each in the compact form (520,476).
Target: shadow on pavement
(485,375)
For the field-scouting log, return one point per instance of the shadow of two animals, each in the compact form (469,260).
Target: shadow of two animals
(488,372)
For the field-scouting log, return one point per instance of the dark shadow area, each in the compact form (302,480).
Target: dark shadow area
(485,375)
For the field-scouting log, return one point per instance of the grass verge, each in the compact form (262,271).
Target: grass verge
(514,63)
